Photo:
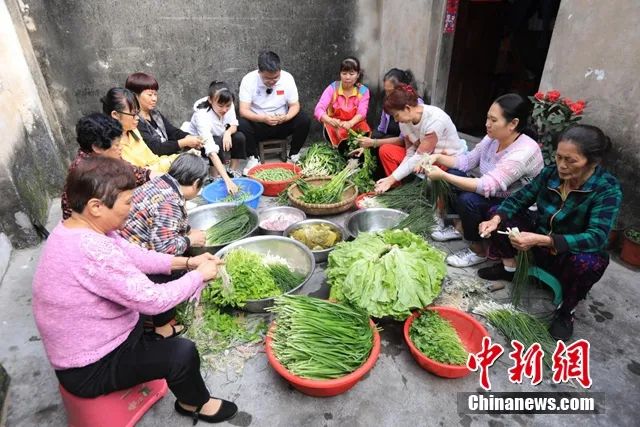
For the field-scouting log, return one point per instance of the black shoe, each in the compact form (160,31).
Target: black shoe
(561,327)
(227,411)
(495,272)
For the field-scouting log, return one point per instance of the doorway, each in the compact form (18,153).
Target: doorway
(499,47)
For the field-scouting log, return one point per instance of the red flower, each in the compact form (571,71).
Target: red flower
(567,102)
(577,108)
(539,96)
(553,95)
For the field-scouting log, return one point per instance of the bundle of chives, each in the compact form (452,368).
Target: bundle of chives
(318,339)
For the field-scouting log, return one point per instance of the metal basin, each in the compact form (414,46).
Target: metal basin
(296,254)
(373,219)
(322,255)
(275,211)
(203,217)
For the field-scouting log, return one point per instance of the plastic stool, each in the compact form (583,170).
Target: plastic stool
(122,408)
(273,146)
(549,280)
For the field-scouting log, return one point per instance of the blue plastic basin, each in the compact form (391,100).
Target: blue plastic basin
(216,191)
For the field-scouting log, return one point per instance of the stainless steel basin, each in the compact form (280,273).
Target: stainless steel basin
(321,255)
(373,219)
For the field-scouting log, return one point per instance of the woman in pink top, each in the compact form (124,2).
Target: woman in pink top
(344,104)
(507,159)
(90,288)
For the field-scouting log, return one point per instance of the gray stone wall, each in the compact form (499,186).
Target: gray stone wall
(86,47)
(595,55)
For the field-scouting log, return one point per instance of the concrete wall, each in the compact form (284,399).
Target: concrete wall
(86,47)
(31,152)
(594,55)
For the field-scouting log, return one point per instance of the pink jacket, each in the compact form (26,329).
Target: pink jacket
(88,289)
(333,98)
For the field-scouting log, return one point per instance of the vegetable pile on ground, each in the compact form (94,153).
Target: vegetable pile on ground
(517,325)
(248,275)
(240,196)
(328,193)
(321,160)
(280,221)
(318,339)
(317,237)
(233,227)
(434,336)
(275,174)
(387,273)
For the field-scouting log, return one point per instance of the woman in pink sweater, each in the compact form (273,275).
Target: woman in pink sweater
(90,288)
(507,159)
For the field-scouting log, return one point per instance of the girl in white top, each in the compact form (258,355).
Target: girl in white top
(214,119)
(424,129)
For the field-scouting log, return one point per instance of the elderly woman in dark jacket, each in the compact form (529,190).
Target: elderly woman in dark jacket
(578,202)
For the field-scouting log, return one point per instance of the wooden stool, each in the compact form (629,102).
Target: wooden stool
(122,408)
(273,146)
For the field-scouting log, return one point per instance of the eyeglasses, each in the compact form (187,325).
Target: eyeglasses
(128,114)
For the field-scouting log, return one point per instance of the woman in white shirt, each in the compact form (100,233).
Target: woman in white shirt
(425,129)
(214,118)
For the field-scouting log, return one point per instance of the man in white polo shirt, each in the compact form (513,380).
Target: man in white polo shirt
(270,109)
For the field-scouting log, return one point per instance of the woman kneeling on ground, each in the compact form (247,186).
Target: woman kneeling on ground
(425,129)
(507,159)
(90,286)
(344,104)
(214,119)
(578,203)
(158,222)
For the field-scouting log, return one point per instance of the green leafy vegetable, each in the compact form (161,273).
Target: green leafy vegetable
(387,273)
(328,193)
(233,227)
(243,277)
(275,174)
(321,160)
(320,340)
(284,277)
(434,336)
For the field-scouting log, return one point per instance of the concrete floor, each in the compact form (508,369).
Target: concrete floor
(397,392)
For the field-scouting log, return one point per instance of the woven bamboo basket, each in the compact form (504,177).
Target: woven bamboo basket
(348,198)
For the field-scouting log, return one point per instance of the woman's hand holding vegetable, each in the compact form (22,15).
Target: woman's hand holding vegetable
(434,173)
(348,124)
(232,188)
(384,184)
(525,240)
(197,238)
(209,267)
(487,227)
(365,142)
(357,152)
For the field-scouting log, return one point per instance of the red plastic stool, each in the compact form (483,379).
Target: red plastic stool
(122,408)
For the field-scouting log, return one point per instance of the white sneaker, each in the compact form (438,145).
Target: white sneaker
(444,234)
(252,162)
(294,158)
(465,258)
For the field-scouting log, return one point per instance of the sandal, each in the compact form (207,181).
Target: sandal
(227,411)
(174,332)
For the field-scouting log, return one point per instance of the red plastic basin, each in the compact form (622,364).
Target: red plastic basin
(362,196)
(273,188)
(325,388)
(469,330)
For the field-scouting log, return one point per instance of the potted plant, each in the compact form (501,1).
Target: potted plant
(631,246)
(551,115)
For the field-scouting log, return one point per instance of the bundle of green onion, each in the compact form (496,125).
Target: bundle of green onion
(321,160)
(328,193)
(434,336)
(275,174)
(318,339)
(233,227)
(517,325)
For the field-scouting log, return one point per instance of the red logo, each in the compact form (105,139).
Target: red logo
(572,362)
(484,359)
(528,365)
(280,92)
